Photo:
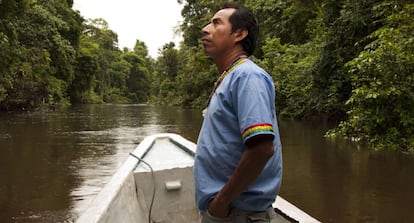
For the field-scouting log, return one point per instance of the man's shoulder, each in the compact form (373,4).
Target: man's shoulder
(251,65)
(250,69)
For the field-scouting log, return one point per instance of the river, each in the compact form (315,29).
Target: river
(53,163)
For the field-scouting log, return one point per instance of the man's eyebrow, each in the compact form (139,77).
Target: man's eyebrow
(215,19)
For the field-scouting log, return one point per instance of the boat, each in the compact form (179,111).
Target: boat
(155,184)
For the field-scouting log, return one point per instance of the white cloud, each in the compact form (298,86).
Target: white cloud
(151,21)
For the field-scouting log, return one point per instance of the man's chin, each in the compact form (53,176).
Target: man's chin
(209,52)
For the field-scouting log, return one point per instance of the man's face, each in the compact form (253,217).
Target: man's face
(217,36)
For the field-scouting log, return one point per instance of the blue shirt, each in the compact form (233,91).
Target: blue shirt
(242,107)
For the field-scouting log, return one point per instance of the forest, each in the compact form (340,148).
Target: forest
(350,61)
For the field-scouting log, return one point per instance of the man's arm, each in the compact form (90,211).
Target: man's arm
(251,164)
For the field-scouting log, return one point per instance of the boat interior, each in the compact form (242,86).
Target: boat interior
(156,184)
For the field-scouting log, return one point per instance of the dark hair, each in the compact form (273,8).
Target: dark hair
(244,19)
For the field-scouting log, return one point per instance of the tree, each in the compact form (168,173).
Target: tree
(139,74)
(283,19)
(39,54)
(382,100)
(86,68)
(345,38)
(168,62)
(289,65)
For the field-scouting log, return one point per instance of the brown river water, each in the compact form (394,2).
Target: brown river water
(53,163)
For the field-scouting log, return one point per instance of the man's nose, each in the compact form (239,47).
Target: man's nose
(205,31)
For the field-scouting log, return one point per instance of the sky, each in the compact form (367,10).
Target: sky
(150,21)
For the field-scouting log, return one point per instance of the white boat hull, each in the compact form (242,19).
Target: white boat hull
(128,196)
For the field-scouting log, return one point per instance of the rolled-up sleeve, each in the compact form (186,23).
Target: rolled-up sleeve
(253,95)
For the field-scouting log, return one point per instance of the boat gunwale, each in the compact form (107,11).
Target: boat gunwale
(100,204)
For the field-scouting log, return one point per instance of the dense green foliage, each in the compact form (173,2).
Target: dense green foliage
(50,56)
(382,100)
(38,49)
(346,60)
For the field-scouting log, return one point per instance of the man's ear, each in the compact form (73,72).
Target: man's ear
(240,35)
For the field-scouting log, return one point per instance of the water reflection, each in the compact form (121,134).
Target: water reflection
(35,178)
(52,164)
(131,124)
(337,181)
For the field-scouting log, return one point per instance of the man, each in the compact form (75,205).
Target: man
(238,163)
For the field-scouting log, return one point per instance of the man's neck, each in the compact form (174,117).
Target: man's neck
(225,61)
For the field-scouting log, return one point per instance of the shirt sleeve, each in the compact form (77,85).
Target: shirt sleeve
(253,97)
